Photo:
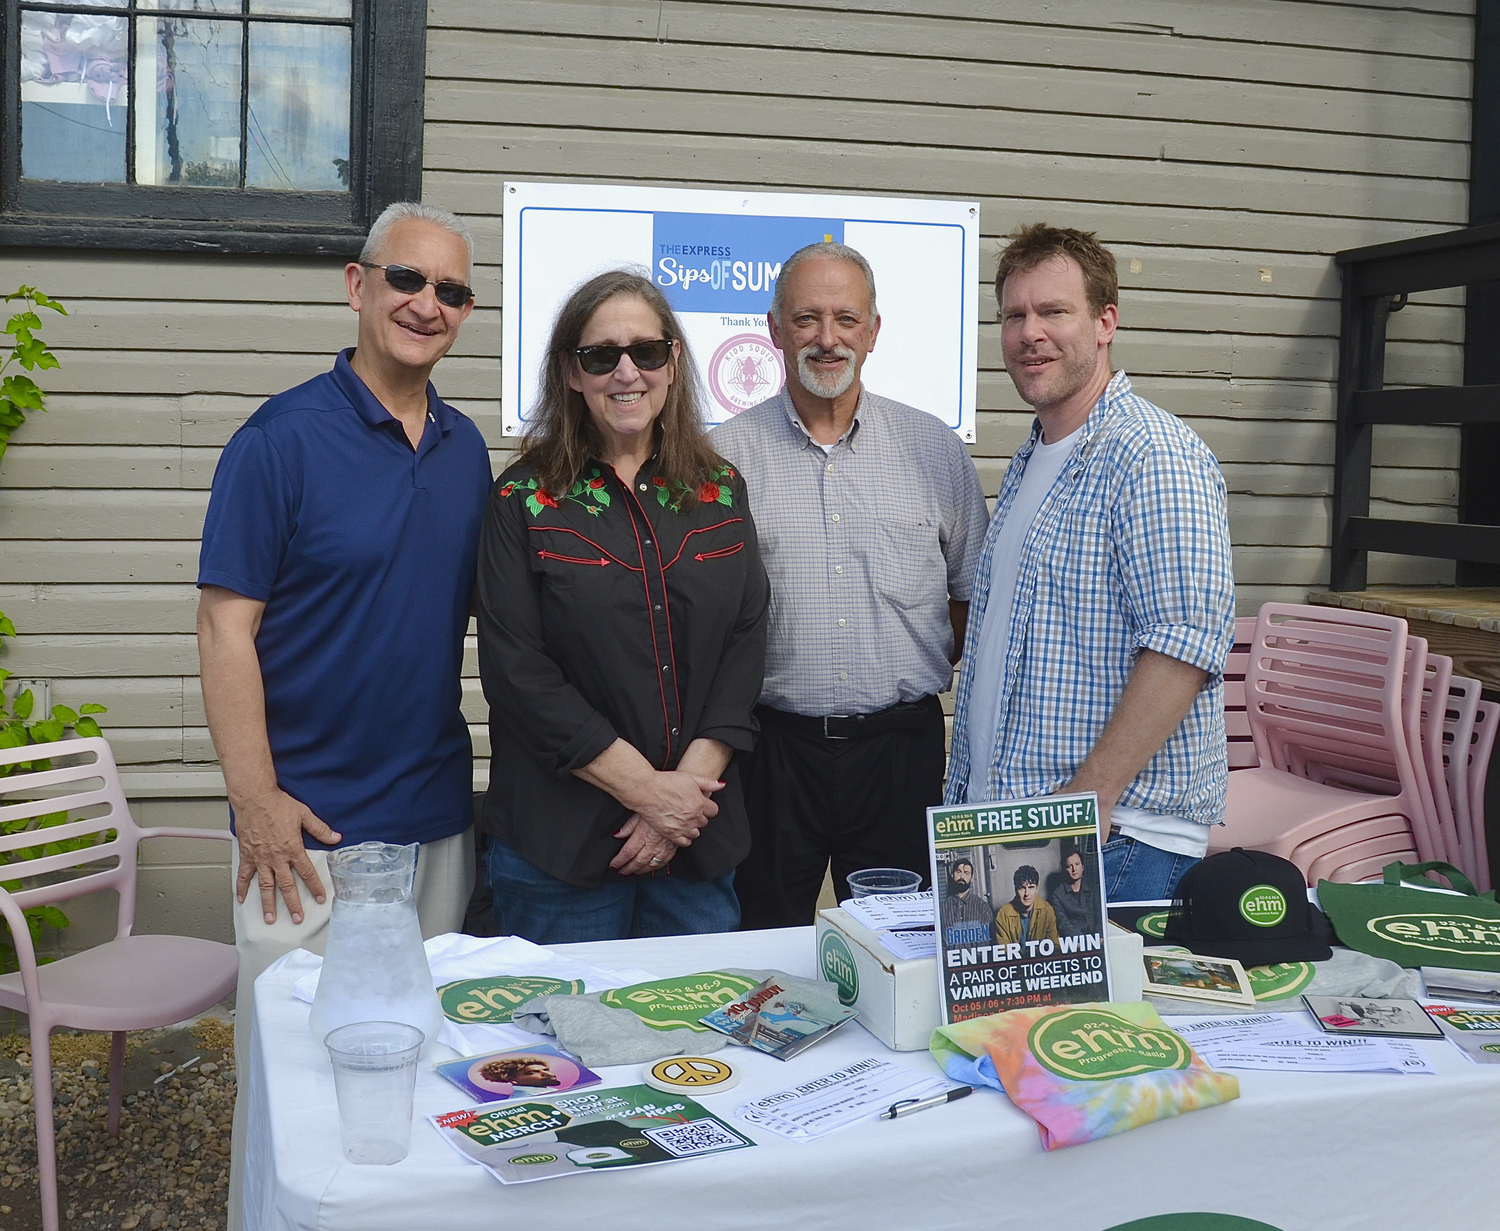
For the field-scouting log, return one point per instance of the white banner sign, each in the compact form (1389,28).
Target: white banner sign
(716,257)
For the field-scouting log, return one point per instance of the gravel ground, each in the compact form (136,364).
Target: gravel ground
(169,1166)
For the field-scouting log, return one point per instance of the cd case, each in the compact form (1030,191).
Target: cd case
(498,1075)
(1403,1019)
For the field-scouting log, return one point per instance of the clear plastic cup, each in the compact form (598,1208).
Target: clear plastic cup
(883,880)
(374,1073)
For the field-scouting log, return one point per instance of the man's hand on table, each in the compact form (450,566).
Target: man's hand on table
(269,828)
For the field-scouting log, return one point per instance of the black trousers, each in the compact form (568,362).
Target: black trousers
(857,803)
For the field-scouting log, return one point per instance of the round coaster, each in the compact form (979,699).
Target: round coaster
(691,1075)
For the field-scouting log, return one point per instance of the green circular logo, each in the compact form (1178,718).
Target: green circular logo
(1281,981)
(669,1004)
(1263,905)
(1440,933)
(836,961)
(1154,924)
(1094,1045)
(527,1160)
(1490,1047)
(494,999)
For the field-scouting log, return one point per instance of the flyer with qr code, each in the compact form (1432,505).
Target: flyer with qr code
(542,1139)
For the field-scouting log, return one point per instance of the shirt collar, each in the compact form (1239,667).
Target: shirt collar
(369,407)
(800,434)
(1104,410)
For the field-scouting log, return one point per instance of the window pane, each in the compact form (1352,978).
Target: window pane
(199,6)
(73,97)
(187,129)
(302,8)
(299,107)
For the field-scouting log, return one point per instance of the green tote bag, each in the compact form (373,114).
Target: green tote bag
(1413,927)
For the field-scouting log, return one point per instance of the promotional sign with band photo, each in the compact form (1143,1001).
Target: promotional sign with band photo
(1020,904)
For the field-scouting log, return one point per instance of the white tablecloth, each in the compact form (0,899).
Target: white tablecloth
(1358,1151)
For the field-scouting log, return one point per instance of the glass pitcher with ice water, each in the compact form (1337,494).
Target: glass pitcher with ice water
(374,968)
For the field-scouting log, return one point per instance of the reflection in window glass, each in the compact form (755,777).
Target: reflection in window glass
(298,125)
(73,97)
(195,6)
(188,127)
(302,8)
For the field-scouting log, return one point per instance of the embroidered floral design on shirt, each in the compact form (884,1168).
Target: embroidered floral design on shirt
(716,491)
(589,492)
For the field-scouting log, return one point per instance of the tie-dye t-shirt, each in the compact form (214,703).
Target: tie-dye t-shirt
(1084,1071)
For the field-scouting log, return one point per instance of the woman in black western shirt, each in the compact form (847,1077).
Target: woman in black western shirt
(622,615)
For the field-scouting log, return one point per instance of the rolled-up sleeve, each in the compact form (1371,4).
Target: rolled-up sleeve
(1171,536)
(527,692)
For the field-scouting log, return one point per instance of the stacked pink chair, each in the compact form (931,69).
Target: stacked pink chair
(1242,754)
(1327,706)
(1486,725)
(1351,702)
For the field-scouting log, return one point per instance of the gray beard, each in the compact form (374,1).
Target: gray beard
(818,385)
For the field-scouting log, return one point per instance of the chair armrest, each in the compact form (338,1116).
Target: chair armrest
(177,831)
(20,936)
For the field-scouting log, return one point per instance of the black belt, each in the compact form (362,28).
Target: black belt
(907,716)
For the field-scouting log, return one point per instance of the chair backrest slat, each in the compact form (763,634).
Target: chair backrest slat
(25,795)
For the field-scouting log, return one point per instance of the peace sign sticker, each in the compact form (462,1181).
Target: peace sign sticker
(691,1075)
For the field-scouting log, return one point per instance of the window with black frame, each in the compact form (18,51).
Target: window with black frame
(248,125)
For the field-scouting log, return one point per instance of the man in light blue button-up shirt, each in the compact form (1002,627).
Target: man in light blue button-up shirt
(1103,609)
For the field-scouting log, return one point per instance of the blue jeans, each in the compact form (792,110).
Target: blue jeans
(1135,872)
(549,911)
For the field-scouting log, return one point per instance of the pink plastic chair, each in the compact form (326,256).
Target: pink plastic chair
(1458,734)
(1241,743)
(1435,690)
(1325,698)
(1486,724)
(1330,845)
(1357,771)
(1386,849)
(129,983)
(1360,870)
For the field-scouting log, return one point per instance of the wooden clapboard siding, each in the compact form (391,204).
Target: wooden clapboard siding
(1223,151)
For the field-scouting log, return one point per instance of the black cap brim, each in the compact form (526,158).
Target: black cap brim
(1314,945)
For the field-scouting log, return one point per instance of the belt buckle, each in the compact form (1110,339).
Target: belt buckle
(827,734)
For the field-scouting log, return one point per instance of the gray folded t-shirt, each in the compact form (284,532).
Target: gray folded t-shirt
(601,1035)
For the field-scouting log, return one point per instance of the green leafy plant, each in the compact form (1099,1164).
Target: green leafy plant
(19,394)
(19,730)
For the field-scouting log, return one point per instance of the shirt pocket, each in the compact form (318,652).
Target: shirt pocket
(908,569)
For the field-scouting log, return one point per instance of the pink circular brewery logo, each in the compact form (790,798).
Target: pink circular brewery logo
(744,371)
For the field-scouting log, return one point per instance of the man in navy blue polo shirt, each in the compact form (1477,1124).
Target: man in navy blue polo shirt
(336,576)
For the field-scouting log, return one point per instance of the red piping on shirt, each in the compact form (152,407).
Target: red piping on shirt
(731,521)
(602,551)
(666,714)
(552,555)
(718,554)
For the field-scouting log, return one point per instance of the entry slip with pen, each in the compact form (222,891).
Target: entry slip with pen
(908,1106)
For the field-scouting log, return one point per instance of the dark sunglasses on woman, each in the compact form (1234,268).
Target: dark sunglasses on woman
(410,282)
(602,360)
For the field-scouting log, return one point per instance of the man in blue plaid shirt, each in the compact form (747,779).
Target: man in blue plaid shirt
(1103,608)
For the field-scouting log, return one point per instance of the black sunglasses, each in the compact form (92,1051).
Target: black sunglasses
(410,282)
(602,360)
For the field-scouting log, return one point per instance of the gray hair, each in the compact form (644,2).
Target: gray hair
(401,211)
(837,252)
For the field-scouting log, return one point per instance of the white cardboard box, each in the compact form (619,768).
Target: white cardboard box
(898,1000)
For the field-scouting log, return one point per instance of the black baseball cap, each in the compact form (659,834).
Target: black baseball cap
(1251,906)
